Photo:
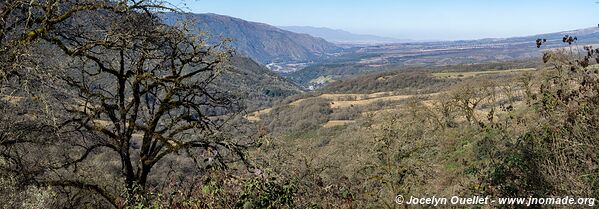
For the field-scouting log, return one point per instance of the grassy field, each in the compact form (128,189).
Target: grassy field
(322,80)
(255,116)
(412,130)
(12,99)
(386,102)
(334,123)
(453,75)
(364,102)
(347,100)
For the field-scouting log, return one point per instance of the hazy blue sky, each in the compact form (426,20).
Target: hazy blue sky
(413,19)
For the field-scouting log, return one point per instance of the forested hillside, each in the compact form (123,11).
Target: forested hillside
(104,105)
(506,133)
(261,42)
(256,86)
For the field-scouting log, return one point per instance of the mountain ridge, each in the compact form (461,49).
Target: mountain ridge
(343,37)
(259,41)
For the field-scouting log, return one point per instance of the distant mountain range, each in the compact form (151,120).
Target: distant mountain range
(341,36)
(304,58)
(377,58)
(585,35)
(261,42)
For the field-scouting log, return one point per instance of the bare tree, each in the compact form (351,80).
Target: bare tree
(469,96)
(23,22)
(125,88)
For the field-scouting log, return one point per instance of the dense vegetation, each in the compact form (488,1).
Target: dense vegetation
(506,136)
(104,106)
(254,85)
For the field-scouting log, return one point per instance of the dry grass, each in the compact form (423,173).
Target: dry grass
(347,104)
(343,101)
(322,80)
(255,116)
(479,73)
(102,123)
(343,97)
(14,100)
(334,123)
(369,99)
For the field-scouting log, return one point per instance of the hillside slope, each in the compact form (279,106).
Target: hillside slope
(261,42)
(257,86)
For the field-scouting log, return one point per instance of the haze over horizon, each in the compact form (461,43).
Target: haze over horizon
(417,20)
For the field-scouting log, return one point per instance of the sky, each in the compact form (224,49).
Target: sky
(413,19)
